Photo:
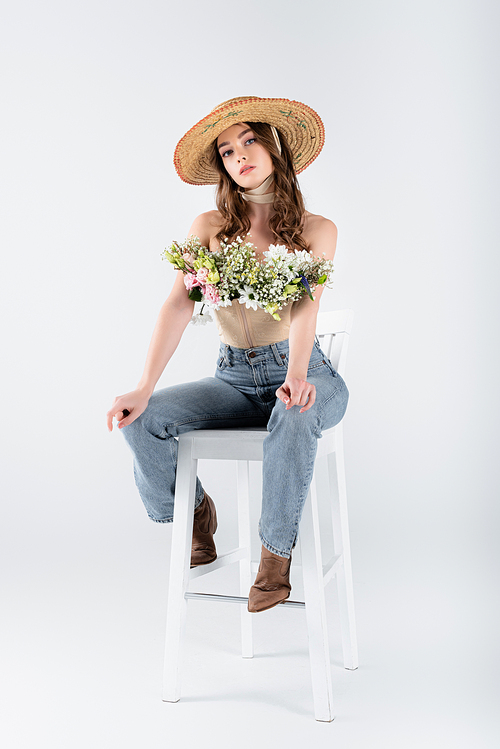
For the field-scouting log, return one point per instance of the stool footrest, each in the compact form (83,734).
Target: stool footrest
(238,599)
(236,555)
(331,568)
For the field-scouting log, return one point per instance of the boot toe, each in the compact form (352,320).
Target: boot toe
(272,584)
(261,600)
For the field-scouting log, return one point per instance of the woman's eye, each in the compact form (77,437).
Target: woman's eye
(226,153)
(250,140)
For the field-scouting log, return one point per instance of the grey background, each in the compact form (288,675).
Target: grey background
(94,97)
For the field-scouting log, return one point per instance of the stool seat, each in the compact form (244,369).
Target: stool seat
(243,446)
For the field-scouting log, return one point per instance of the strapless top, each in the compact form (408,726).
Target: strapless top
(246,328)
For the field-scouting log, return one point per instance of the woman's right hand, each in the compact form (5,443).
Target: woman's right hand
(127,408)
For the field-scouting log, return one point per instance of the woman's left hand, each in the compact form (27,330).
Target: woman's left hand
(295,392)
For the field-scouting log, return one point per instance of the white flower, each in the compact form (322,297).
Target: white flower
(276,252)
(201,319)
(302,260)
(303,256)
(248,297)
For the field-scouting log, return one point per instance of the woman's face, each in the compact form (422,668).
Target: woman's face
(245,160)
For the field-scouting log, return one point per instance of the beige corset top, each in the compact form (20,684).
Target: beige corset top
(246,328)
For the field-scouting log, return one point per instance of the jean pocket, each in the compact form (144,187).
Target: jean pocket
(316,365)
(328,363)
(318,359)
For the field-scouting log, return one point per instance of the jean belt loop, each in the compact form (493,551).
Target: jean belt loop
(228,356)
(276,353)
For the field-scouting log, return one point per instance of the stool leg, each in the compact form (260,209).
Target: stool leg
(314,594)
(182,533)
(245,564)
(343,548)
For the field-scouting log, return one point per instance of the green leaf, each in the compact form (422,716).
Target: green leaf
(322,278)
(195,294)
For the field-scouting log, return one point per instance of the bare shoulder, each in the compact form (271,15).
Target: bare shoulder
(320,234)
(206,226)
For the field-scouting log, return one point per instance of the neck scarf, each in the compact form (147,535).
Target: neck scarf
(257,194)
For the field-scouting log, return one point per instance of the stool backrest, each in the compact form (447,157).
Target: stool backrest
(333,329)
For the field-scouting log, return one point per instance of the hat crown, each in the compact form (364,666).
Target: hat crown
(232,101)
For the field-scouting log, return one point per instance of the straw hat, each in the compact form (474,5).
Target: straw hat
(301,126)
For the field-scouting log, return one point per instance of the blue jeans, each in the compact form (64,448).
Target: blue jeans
(241,394)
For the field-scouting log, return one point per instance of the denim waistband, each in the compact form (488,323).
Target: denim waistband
(277,351)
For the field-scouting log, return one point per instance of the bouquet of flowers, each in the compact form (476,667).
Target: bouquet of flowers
(234,272)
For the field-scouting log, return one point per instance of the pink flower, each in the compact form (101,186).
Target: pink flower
(188,258)
(211,294)
(202,275)
(190,281)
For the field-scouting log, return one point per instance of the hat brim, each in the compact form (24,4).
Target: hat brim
(301,126)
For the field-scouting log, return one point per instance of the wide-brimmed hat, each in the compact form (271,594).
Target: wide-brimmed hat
(301,126)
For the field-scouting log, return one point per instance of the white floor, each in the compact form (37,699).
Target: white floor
(82,639)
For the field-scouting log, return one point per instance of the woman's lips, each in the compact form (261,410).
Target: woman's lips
(246,169)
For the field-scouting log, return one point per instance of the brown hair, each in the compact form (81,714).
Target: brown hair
(287,221)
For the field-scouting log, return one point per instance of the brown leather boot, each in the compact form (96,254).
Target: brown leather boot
(203,549)
(272,584)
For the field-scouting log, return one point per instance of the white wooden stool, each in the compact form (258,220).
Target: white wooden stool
(243,446)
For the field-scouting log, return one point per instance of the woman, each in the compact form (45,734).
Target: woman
(269,373)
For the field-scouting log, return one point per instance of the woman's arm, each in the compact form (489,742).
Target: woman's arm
(174,316)
(321,237)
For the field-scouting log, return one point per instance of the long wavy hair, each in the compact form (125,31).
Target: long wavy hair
(287,221)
